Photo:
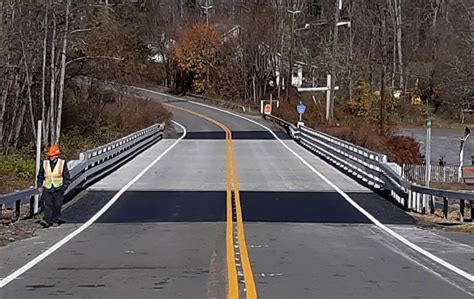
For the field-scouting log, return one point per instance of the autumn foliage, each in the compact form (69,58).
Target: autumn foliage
(195,55)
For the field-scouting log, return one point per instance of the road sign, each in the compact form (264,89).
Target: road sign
(268,109)
(301,108)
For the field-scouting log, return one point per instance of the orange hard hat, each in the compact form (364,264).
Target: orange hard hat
(54,151)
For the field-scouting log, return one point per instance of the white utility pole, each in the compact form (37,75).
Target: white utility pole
(328,98)
(206,8)
(337,23)
(428,153)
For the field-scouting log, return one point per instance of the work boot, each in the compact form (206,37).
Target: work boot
(44,224)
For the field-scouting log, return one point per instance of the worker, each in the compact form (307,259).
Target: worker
(53,179)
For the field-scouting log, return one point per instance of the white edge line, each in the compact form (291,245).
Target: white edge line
(374,220)
(89,222)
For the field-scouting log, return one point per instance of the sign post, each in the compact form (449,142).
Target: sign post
(301,108)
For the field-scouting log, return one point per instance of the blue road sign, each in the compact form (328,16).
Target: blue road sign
(301,108)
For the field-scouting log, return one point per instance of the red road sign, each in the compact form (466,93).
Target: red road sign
(268,109)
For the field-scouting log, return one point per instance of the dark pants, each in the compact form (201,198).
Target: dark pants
(53,202)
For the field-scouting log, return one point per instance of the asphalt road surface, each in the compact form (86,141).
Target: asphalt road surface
(167,235)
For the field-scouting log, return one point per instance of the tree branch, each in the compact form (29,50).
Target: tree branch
(94,57)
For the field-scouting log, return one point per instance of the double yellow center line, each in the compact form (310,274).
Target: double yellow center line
(234,208)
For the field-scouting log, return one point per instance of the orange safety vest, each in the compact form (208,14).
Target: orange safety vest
(53,178)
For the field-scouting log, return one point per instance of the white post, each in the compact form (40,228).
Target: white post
(428,155)
(461,162)
(271,102)
(38,161)
(261,107)
(328,97)
(461,153)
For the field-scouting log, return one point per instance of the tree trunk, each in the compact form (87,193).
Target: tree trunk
(63,74)
(290,59)
(392,8)
(333,64)
(14,120)
(383,55)
(398,14)
(382,98)
(19,126)
(28,88)
(3,102)
(351,55)
(43,74)
(52,108)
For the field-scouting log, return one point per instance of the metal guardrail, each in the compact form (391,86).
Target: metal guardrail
(373,169)
(91,165)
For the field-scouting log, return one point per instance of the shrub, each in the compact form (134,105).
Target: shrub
(16,172)
(399,149)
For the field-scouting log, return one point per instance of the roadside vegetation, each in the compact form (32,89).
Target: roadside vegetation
(101,44)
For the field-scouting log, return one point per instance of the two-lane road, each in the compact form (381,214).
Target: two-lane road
(167,235)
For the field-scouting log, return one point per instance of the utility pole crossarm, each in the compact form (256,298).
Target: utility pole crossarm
(206,8)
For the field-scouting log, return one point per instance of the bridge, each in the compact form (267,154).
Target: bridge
(230,206)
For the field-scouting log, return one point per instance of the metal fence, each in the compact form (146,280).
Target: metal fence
(374,170)
(92,164)
(439,174)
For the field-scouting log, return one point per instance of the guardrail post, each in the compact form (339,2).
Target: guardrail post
(33,206)
(445,208)
(461,210)
(17,210)
(472,210)
(432,204)
(419,204)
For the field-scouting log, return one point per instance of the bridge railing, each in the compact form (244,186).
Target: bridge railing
(374,170)
(91,165)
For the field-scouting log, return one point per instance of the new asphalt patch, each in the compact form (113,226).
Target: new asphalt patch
(210,206)
(236,135)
